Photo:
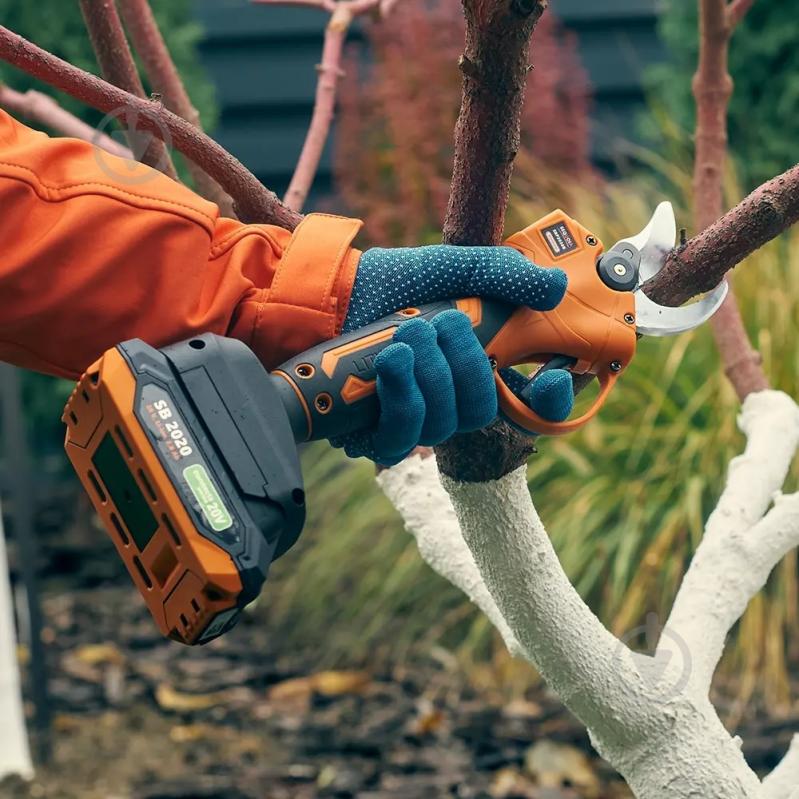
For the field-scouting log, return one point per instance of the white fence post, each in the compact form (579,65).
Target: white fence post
(15,757)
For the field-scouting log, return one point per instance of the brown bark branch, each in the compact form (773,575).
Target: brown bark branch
(494,67)
(712,88)
(701,263)
(254,202)
(118,67)
(165,79)
(46,111)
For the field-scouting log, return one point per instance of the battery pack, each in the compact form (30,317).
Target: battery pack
(188,457)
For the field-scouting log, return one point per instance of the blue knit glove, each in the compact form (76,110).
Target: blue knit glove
(435,378)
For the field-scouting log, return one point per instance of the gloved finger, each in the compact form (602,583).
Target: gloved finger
(505,274)
(402,407)
(434,378)
(472,375)
(552,395)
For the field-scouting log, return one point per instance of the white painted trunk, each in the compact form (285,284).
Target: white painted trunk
(650,717)
(15,755)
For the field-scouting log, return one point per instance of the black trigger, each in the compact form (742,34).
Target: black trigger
(556,362)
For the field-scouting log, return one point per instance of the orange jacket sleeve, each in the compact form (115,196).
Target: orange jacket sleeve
(95,250)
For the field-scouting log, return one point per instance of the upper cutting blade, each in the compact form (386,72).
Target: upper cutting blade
(654,243)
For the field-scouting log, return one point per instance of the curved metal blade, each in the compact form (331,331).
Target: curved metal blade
(654,242)
(658,320)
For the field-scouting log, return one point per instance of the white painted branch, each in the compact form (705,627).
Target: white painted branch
(783,782)
(414,488)
(667,745)
(740,547)
(14,752)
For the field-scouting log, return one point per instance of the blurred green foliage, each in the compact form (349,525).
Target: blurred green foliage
(764,64)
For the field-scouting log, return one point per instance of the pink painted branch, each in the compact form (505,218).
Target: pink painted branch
(118,67)
(46,111)
(254,202)
(712,88)
(324,5)
(165,79)
(355,7)
(324,109)
(736,11)
(342,14)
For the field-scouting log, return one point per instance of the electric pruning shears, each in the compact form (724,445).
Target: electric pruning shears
(189,452)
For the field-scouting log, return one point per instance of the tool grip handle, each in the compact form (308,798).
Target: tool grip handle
(330,389)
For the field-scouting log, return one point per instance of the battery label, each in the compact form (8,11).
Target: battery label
(559,239)
(214,510)
(182,458)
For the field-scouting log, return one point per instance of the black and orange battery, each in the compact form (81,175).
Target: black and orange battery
(188,457)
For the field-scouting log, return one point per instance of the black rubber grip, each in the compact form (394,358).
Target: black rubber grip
(329,390)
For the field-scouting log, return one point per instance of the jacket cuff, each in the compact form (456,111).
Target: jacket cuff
(307,301)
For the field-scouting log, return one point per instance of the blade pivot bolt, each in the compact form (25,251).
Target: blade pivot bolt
(615,366)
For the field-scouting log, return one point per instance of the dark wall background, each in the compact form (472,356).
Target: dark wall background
(262,59)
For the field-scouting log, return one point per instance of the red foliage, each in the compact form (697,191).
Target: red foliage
(393,154)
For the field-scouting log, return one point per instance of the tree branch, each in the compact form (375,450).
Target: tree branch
(415,490)
(118,67)
(165,79)
(735,12)
(667,744)
(701,264)
(712,87)
(494,65)
(783,782)
(254,202)
(46,111)
(740,546)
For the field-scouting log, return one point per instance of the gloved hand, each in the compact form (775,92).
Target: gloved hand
(435,379)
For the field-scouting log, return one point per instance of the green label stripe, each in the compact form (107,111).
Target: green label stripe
(205,492)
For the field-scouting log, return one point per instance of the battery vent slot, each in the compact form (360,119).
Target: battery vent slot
(97,487)
(143,572)
(120,529)
(170,528)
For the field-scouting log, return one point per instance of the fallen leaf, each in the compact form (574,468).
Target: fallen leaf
(555,765)
(98,654)
(510,784)
(428,720)
(326,683)
(184,733)
(170,699)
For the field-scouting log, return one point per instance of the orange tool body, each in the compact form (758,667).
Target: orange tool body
(189,452)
